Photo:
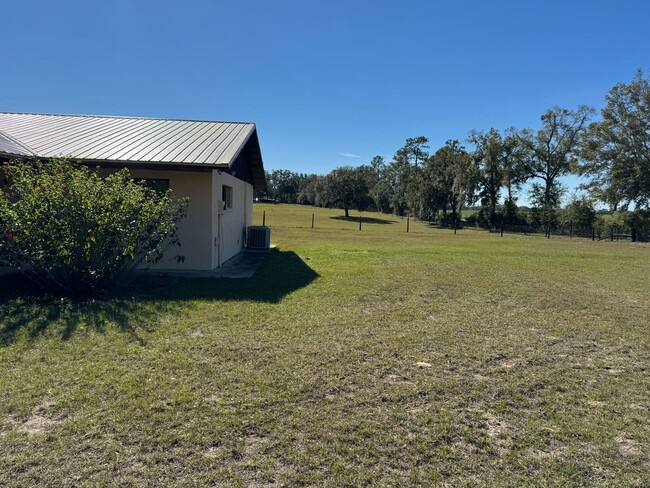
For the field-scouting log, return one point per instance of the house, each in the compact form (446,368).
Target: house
(217,165)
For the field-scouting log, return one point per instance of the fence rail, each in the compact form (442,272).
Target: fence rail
(640,233)
(596,233)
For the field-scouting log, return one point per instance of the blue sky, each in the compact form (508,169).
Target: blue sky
(329,83)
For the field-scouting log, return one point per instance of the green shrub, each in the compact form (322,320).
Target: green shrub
(578,213)
(614,222)
(637,223)
(72,230)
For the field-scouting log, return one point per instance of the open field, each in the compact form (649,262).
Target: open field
(352,358)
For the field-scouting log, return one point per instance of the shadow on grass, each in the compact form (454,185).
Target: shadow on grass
(27,311)
(281,273)
(364,220)
(136,308)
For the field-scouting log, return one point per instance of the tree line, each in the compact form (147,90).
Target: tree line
(489,169)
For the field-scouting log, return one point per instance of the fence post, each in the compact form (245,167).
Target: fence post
(312,221)
(408,221)
(455,225)
(593,233)
(501,229)
(612,237)
(359,222)
(264,217)
(570,231)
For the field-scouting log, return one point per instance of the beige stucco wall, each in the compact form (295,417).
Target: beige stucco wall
(207,238)
(194,230)
(228,228)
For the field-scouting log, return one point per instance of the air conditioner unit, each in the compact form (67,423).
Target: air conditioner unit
(258,237)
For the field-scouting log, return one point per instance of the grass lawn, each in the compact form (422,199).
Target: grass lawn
(370,357)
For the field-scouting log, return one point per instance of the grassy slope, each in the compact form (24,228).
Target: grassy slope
(538,352)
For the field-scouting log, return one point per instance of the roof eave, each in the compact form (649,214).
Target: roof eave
(153,164)
(257,165)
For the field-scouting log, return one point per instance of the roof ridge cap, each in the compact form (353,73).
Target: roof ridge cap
(126,117)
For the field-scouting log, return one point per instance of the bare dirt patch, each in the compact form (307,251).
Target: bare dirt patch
(595,403)
(506,364)
(132,473)
(499,433)
(627,447)
(212,452)
(614,371)
(39,421)
(556,450)
(213,398)
(253,445)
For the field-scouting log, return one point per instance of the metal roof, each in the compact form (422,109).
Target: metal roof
(130,140)
(9,146)
(102,138)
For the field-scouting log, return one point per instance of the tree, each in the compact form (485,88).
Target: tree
(514,174)
(322,193)
(454,176)
(440,177)
(397,177)
(347,188)
(418,198)
(415,150)
(616,150)
(465,180)
(489,156)
(400,179)
(378,165)
(307,190)
(72,230)
(380,191)
(369,174)
(550,154)
(283,185)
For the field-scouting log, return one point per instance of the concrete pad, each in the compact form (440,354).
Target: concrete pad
(242,265)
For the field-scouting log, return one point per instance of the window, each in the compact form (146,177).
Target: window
(226,196)
(160,186)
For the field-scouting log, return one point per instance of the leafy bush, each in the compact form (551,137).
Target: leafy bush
(506,214)
(72,230)
(637,223)
(448,220)
(606,223)
(511,214)
(578,213)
